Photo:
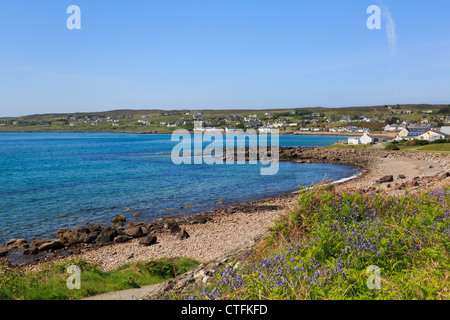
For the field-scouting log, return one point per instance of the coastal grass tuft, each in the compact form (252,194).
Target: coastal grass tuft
(50,282)
(325,247)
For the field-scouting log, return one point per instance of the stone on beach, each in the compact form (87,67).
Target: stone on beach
(183,235)
(17,244)
(52,245)
(136,232)
(122,238)
(3,252)
(119,220)
(385,179)
(107,235)
(148,240)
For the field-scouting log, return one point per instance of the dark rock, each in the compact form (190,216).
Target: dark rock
(31,251)
(17,244)
(199,219)
(136,232)
(183,235)
(119,219)
(92,236)
(64,235)
(107,235)
(148,240)
(133,224)
(52,245)
(122,238)
(401,176)
(36,243)
(175,228)
(386,179)
(137,214)
(94,227)
(3,252)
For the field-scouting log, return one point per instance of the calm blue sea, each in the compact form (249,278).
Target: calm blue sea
(53,180)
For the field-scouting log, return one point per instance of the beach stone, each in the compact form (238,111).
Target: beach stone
(136,232)
(137,214)
(401,176)
(148,240)
(175,228)
(3,252)
(107,235)
(36,243)
(64,235)
(31,251)
(133,224)
(94,227)
(122,238)
(17,244)
(386,179)
(199,219)
(80,235)
(52,245)
(168,224)
(183,235)
(119,219)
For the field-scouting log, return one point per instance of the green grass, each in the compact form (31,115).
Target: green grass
(324,248)
(435,147)
(50,283)
(346,146)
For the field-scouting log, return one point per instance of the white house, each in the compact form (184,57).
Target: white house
(365,139)
(354,141)
(412,132)
(432,135)
(265,130)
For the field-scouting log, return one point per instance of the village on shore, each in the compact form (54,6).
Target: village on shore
(396,122)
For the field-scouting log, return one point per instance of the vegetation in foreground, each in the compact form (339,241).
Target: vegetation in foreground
(50,282)
(441,145)
(327,245)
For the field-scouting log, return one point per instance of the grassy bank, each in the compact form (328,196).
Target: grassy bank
(327,245)
(50,282)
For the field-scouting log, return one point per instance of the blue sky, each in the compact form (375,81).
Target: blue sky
(198,54)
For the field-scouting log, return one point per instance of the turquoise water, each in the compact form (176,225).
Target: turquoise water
(53,180)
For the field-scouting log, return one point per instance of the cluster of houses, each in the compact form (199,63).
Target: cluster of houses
(423,132)
(408,132)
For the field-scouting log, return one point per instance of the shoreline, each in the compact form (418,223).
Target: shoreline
(220,230)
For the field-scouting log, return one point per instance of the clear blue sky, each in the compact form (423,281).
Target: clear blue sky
(199,54)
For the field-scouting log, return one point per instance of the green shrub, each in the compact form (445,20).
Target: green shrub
(392,147)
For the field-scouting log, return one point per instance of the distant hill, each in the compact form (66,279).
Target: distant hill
(165,121)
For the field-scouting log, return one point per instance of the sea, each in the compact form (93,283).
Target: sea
(54,180)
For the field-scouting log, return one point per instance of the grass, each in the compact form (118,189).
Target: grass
(347,146)
(50,282)
(435,147)
(421,145)
(324,250)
